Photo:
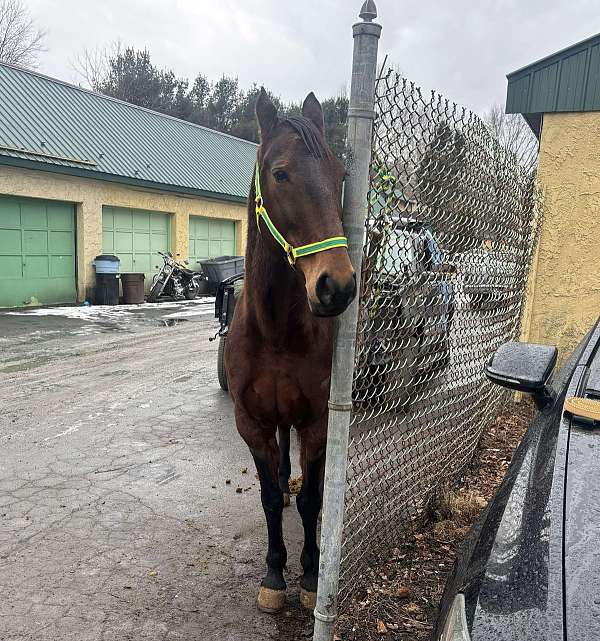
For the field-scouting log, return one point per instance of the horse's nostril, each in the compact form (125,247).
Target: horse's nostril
(332,294)
(325,289)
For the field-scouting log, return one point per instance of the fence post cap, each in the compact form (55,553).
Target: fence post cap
(368,11)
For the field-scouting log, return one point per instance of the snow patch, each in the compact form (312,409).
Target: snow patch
(93,313)
(190,313)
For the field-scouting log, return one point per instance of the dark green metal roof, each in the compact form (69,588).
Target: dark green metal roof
(568,80)
(51,125)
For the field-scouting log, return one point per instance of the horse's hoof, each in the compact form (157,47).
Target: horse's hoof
(270,601)
(308,599)
(286,499)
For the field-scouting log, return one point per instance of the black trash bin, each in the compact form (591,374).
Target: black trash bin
(133,288)
(107,289)
(107,279)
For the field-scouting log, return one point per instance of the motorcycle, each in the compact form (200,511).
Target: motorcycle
(175,281)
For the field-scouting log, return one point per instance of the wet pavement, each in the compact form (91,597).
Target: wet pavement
(29,337)
(117,520)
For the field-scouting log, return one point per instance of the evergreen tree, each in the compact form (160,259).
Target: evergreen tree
(129,75)
(223,104)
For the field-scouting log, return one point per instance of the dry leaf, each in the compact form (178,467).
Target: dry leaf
(402,592)
(480,501)
(381,627)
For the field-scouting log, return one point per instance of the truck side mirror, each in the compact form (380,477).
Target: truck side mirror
(525,367)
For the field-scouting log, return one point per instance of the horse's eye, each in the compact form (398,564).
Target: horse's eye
(280,176)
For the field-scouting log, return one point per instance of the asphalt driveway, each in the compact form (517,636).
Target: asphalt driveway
(129,508)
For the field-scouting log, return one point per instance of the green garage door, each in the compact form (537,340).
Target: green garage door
(209,238)
(37,251)
(135,236)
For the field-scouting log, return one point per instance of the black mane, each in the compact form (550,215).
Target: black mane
(311,136)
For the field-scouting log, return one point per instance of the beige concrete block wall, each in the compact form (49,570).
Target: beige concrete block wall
(564,298)
(90,195)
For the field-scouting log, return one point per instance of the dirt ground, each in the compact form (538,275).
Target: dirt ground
(402,594)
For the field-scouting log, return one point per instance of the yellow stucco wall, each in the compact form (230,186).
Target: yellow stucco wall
(564,296)
(90,195)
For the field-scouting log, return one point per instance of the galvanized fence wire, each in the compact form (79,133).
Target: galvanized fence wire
(450,234)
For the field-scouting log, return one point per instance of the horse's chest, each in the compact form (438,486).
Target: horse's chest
(285,394)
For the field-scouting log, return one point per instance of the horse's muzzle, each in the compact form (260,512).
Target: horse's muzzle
(333,296)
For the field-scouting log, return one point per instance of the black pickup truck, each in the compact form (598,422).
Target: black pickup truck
(530,568)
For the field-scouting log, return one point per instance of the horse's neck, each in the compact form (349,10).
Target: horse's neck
(276,295)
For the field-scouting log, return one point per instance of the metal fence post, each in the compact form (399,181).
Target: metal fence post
(360,123)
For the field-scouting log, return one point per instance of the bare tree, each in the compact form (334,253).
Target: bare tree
(21,42)
(514,134)
(93,65)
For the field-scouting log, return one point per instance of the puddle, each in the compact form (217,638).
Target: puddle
(44,323)
(25,366)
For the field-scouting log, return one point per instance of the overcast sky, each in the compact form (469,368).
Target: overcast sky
(462,48)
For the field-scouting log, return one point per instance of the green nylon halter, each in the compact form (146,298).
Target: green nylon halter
(292,253)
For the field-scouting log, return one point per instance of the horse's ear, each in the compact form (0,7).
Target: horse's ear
(266,113)
(312,110)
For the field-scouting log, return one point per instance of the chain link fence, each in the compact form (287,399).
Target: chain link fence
(451,229)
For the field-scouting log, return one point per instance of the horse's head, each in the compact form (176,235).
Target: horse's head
(301,186)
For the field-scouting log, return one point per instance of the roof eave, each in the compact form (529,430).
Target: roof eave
(79,172)
(565,81)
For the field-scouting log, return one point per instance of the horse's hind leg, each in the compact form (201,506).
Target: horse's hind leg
(265,451)
(309,505)
(285,465)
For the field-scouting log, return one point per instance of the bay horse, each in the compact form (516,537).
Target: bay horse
(298,275)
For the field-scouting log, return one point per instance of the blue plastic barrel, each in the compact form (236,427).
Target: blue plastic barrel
(106,264)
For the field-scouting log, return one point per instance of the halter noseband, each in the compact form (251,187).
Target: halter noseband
(292,253)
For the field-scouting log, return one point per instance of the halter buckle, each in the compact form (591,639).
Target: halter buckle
(258,210)
(289,252)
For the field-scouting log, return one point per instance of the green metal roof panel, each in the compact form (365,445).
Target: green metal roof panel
(46,122)
(518,95)
(568,80)
(543,89)
(572,82)
(593,89)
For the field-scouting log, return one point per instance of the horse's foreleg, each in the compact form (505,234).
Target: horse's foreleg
(285,465)
(265,451)
(309,505)
(271,596)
